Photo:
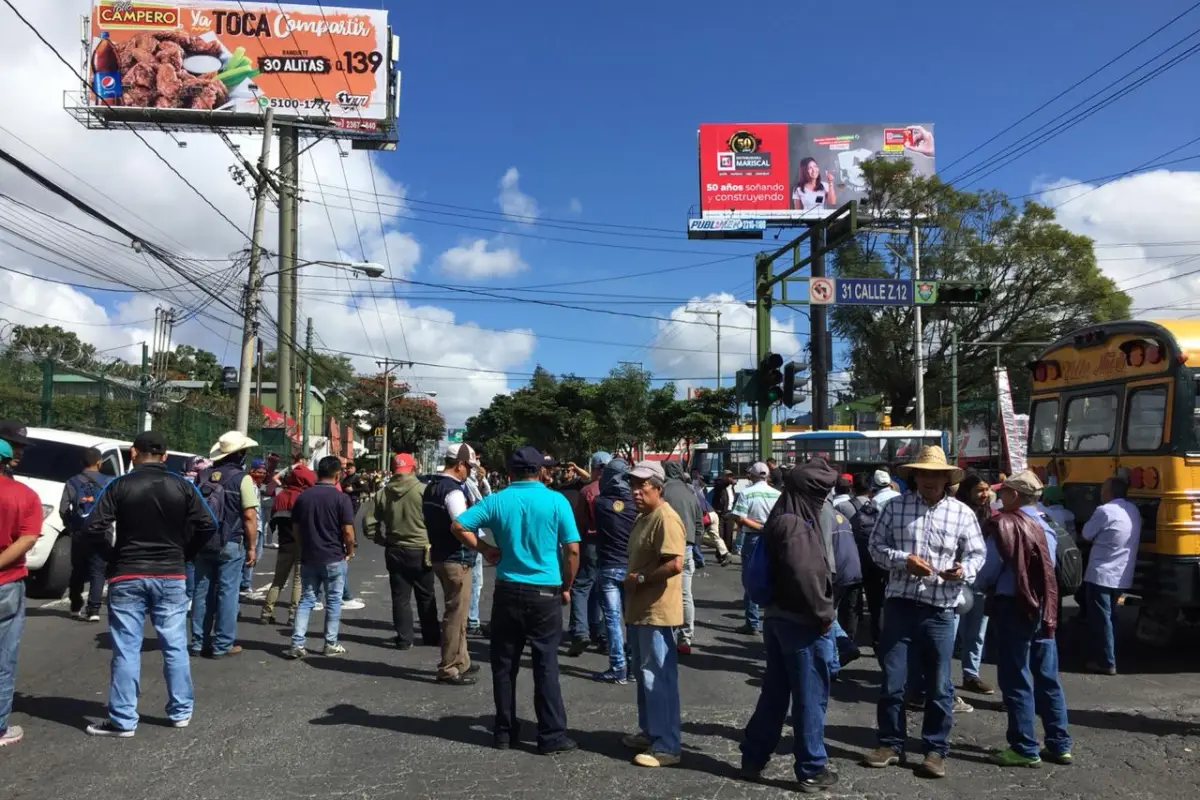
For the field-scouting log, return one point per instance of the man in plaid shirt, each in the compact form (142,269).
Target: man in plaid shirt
(931,546)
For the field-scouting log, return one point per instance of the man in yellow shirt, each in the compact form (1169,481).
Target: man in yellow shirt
(653,610)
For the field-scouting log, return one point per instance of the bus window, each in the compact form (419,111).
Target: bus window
(1091,422)
(1043,426)
(1147,411)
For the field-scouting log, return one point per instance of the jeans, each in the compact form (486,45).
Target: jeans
(12,622)
(847,599)
(739,541)
(190,570)
(972,630)
(836,642)
(129,601)
(930,632)
(753,612)
(331,578)
(476,591)
(247,570)
(408,573)
(688,631)
(655,661)
(797,676)
(521,613)
(611,589)
(215,599)
(88,566)
(1027,668)
(1101,623)
(586,619)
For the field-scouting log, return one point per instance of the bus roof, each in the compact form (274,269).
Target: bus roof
(1184,334)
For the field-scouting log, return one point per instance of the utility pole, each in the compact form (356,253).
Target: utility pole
(387,365)
(954,395)
(818,328)
(144,401)
(289,174)
(308,356)
(716,314)
(253,283)
(918,337)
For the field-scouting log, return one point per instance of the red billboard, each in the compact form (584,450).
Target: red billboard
(794,172)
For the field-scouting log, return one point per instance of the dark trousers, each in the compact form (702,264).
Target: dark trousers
(524,613)
(87,569)
(408,573)
(847,600)
(586,619)
(908,624)
(874,587)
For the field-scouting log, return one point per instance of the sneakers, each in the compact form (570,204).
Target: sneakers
(565,746)
(934,766)
(1011,758)
(619,677)
(1097,668)
(725,560)
(334,649)
(321,607)
(822,781)
(684,648)
(977,685)
(962,706)
(295,653)
(13,735)
(80,615)
(747,630)
(1064,759)
(181,723)
(353,605)
(652,759)
(636,741)
(578,647)
(477,631)
(881,757)
(106,728)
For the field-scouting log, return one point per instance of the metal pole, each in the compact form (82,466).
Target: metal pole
(718,348)
(308,355)
(954,393)
(818,314)
(145,400)
(762,326)
(387,408)
(289,172)
(253,283)
(918,339)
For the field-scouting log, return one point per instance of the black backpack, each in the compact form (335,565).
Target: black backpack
(863,521)
(1068,560)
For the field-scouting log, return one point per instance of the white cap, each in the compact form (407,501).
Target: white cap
(881,479)
(759,470)
(462,452)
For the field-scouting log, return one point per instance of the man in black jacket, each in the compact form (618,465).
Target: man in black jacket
(162,521)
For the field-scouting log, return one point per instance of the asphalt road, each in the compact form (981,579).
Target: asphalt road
(374,724)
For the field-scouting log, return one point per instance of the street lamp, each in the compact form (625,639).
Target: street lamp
(367,269)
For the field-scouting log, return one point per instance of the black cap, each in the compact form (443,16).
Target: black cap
(526,458)
(549,461)
(150,443)
(13,432)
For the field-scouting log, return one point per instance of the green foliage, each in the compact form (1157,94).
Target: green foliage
(413,421)
(1044,283)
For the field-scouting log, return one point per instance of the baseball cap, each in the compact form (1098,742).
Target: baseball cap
(759,470)
(526,458)
(1024,482)
(881,479)
(403,463)
(648,469)
(151,443)
(13,432)
(601,458)
(462,453)
(258,463)
(549,461)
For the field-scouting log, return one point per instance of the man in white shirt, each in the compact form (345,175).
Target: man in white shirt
(752,507)
(1115,531)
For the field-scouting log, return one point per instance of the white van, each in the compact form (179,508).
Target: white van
(52,458)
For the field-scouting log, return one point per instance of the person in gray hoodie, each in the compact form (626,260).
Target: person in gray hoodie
(681,497)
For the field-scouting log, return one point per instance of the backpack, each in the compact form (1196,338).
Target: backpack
(756,574)
(221,489)
(1068,561)
(863,521)
(87,491)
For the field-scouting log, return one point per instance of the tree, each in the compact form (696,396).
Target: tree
(412,421)
(194,364)
(332,374)
(52,342)
(1044,283)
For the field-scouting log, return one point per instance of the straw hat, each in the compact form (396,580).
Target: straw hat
(231,442)
(931,459)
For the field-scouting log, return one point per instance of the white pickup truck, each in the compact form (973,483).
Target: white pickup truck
(52,458)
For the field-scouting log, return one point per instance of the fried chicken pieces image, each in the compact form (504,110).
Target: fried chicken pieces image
(152,72)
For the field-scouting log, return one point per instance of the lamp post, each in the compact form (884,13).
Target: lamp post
(717,314)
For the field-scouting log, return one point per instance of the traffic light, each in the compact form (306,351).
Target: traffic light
(794,383)
(956,293)
(770,379)
(747,386)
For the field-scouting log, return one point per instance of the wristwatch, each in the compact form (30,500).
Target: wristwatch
(641,579)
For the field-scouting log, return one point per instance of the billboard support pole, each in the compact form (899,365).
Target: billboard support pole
(253,283)
(954,393)
(762,326)
(818,318)
(289,169)
(918,337)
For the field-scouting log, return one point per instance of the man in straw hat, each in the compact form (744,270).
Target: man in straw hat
(931,547)
(233,499)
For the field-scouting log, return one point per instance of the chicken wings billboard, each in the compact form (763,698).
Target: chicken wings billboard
(326,63)
(784,172)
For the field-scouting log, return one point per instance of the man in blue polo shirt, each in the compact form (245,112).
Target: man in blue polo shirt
(529,523)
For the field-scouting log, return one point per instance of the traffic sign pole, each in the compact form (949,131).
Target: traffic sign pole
(762,326)
(818,321)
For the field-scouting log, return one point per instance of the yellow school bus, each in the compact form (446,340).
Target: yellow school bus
(1123,397)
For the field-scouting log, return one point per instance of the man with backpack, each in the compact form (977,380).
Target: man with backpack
(862,510)
(233,499)
(87,558)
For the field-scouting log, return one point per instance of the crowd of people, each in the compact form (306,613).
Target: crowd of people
(617,543)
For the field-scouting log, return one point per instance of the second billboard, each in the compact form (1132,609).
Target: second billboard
(794,172)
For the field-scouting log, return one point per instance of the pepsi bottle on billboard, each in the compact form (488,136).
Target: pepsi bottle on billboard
(106,71)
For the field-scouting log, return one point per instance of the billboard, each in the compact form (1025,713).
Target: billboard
(192,58)
(794,172)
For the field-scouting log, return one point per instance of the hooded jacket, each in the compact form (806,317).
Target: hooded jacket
(802,583)
(680,495)
(399,518)
(615,514)
(295,481)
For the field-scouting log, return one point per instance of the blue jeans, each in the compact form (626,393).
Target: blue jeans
(739,541)
(129,601)
(797,676)
(930,632)
(476,589)
(190,570)
(331,578)
(1027,668)
(834,639)
(215,599)
(1101,623)
(12,622)
(972,628)
(611,590)
(753,612)
(586,619)
(248,571)
(655,659)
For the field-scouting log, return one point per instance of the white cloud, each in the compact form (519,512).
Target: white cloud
(476,260)
(575,206)
(515,204)
(1139,213)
